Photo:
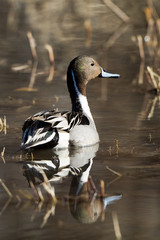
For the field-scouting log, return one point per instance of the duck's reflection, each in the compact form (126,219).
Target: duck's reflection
(62,164)
(86,205)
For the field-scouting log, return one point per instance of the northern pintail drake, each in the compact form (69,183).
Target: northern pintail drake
(61,129)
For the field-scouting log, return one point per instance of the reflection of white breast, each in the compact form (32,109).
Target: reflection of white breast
(84,135)
(80,156)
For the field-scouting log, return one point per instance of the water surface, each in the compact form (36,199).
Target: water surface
(121,111)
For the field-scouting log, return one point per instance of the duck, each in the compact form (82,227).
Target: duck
(76,128)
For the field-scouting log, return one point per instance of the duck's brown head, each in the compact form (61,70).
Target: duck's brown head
(82,69)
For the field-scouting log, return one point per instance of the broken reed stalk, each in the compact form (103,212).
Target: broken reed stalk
(33,75)
(5,206)
(141,49)
(20,68)
(116,35)
(141,72)
(51,60)
(148,78)
(18,200)
(117,10)
(2,155)
(150,137)
(3,125)
(155,78)
(92,184)
(50,53)
(152,9)
(153,30)
(6,188)
(40,194)
(49,189)
(102,189)
(148,13)
(34,190)
(151,37)
(110,150)
(113,171)
(88,30)
(32,45)
(49,212)
(89,185)
(117,146)
(26,195)
(116,226)
(151,113)
(158,26)
(32,157)
(142,57)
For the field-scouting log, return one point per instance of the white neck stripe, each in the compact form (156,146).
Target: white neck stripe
(82,99)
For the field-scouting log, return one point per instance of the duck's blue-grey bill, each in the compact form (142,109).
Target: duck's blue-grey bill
(105,74)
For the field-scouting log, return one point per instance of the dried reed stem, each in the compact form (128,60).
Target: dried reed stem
(5,206)
(3,125)
(117,10)
(19,68)
(116,226)
(141,49)
(148,13)
(151,113)
(6,188)
(50,53)
(154,77)
(49,189)
(88,30)
(158,26)
(32,45)
(141,72)
(2,155)
(116,35)
(113,171)
(32,156)
(26,195)
(114,180)
(18,200)
(110,150)
(51,60)
(92,184)
(152,8)
(40,194)
(51,211)
(117,146)
(34,190)
(33,75)
(102,189)
(150,137)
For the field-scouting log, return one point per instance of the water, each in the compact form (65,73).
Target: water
(120,110)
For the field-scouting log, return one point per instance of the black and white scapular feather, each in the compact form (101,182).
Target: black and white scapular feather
(46,127)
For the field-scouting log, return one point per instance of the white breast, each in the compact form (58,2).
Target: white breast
(84,135)
(63,141)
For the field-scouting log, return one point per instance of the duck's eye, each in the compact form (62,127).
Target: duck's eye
(92,64)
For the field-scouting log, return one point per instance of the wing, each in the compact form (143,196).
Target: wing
(44,127)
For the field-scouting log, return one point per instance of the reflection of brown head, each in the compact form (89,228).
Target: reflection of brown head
(84,207)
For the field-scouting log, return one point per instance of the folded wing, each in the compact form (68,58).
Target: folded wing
(44,127)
